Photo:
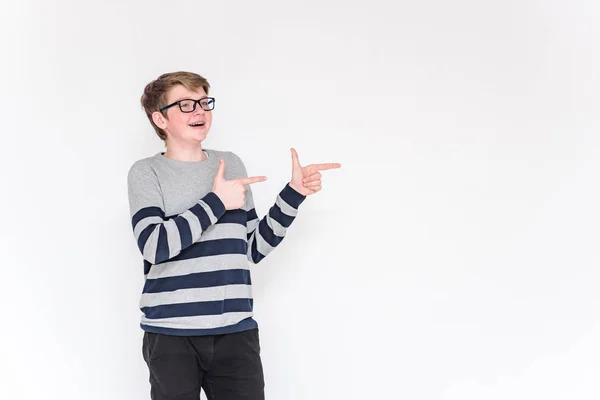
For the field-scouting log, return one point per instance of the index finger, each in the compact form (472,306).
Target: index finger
(250,180)
(326,166)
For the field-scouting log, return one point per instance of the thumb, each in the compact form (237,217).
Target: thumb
(221,170)
(295,160)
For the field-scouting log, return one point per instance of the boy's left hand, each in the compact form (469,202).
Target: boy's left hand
(307,180)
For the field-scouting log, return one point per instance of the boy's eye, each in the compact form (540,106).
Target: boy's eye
(186,105)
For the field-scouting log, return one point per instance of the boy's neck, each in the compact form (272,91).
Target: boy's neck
(181,153)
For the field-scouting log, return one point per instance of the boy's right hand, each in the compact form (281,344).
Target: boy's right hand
(232,193)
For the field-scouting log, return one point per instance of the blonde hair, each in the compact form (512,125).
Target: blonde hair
(156,92)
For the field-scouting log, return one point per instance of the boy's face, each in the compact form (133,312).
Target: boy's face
(178,125)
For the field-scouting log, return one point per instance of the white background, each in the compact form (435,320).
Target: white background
(453,256)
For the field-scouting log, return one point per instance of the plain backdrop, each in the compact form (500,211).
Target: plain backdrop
(454,256)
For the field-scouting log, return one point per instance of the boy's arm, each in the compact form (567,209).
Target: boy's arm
(159,238)
(265,234)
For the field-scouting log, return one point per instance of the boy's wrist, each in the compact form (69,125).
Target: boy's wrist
(298,190)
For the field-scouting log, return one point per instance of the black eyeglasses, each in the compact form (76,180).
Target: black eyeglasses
(189,105)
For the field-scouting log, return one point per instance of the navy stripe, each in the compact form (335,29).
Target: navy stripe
(244,325)
(215,204)
(185,232)
(203,217)
(198,280)
(147,267)
(267,233)
(198,308)
(145,235)
(145,213)
(278,215)
(162,246)
(256,255)
(213,248)
(292,197)
(250,215)
(237,216)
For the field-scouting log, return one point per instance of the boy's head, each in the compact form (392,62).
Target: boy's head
(173,116)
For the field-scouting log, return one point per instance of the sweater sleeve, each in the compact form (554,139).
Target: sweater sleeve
(158,237)
(266,233)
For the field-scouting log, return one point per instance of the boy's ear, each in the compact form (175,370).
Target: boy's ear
(159,119)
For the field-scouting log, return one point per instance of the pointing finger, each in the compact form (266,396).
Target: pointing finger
(324,167)
(253,179)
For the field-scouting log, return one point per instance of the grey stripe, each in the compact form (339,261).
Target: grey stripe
(173,238)
(261,244)
(276,227)
(252,224)
(285,207)
(249,252)
(196,294)
(196,265)
(143,224)
(209,212)
(224,231)
(194,223)
(150,246)
(199,322)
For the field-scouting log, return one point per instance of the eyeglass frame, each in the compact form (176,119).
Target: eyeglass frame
(178,102)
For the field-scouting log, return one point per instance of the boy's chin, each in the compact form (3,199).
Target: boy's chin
(198,136)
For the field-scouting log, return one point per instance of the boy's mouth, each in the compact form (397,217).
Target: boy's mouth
(197,124)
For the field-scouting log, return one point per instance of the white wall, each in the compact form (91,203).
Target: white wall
(454,255)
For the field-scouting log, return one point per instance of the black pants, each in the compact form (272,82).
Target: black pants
(226,367)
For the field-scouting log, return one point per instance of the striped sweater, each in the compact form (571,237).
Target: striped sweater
(197,254)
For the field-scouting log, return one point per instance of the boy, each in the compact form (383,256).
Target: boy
(194,221)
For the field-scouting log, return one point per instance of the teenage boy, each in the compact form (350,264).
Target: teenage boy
(194,221)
